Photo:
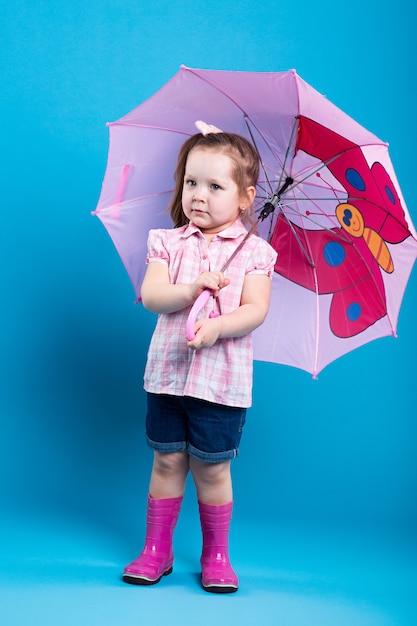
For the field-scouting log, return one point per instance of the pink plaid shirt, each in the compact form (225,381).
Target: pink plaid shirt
(222,373)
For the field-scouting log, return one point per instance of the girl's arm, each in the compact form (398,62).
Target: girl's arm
(160,296)
(249,315)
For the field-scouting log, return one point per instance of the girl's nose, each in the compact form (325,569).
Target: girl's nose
(199,195)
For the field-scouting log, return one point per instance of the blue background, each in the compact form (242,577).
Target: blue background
(325,520)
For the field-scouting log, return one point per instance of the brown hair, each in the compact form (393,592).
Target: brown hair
(245,169)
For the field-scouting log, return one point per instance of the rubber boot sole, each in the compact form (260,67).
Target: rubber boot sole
(137,580)
(219,589)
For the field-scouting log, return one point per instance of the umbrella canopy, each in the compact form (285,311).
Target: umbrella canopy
(345,241)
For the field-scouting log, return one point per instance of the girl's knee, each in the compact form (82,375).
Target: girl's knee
(170,463)
(210,472)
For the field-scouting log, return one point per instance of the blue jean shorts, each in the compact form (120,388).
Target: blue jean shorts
(207,431)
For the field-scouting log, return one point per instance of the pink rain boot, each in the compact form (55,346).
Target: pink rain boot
(156,558)
(217,574)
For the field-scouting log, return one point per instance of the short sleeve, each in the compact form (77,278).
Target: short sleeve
(157,250)
(262,259)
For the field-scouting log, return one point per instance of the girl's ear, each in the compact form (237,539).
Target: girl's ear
(249,197)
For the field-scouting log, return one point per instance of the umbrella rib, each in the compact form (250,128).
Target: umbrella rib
(322,165)
(327,162)
(245,117)
(302,248)
(150,127)
(283,165)
(205,80)
(276,196)
(351,199)
(317,334)
(131,201)
(380,293)
(287,152)
(339,233)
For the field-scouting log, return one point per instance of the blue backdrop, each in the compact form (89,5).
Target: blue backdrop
(337,451)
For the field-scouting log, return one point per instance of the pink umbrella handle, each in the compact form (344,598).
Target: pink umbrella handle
(195,310)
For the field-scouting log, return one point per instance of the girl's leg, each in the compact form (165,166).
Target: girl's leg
(166,490)
(214,489)
(213,481)
(169,473)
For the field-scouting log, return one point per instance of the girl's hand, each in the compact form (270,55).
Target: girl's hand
(207,331)
(249,315)
(161,296)
(209,280)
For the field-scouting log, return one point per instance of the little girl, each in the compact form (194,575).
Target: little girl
(198,390)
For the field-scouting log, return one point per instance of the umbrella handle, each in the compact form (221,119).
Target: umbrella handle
(195,310)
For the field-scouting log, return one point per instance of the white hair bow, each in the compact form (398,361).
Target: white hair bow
(205,129)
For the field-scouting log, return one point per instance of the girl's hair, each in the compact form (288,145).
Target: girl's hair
(245,169)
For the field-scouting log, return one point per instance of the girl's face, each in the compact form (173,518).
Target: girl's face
(210,196)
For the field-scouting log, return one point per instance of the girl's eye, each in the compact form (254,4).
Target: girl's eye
(215,186)
(190,183)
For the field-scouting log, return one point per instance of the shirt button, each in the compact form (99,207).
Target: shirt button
(204,257)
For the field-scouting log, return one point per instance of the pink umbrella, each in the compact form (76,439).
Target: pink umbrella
(335,213)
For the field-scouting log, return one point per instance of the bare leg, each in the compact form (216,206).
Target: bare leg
(169,473)
(213,481)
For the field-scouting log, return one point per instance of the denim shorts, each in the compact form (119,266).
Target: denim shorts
(207,431)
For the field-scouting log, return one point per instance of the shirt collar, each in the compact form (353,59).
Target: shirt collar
(232,232)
